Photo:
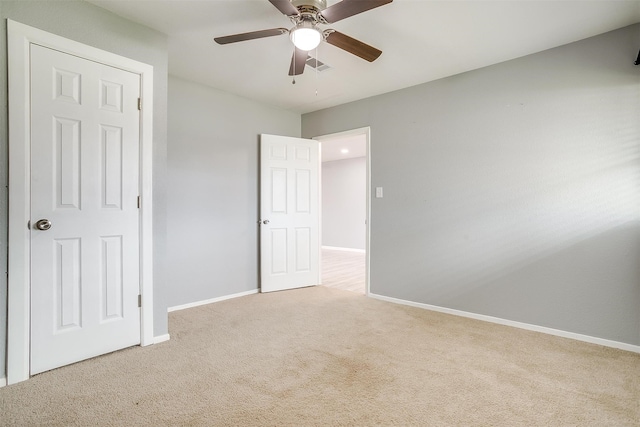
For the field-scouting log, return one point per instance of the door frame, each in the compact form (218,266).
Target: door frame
(366,131)
(19,39)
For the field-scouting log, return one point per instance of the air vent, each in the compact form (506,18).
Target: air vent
(318,65)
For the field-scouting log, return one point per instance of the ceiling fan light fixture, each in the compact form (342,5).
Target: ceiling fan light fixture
(306,36)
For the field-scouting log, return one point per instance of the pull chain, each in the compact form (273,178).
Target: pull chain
(294,66)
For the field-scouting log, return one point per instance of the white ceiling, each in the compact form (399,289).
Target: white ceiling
(421,40)
(345,147)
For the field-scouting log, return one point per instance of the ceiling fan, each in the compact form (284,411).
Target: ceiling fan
(306,35)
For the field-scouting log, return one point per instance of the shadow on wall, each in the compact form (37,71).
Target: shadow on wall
(590,300)
(533,240)
(541,217)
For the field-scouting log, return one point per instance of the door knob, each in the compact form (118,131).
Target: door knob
(43,224)
(265,222)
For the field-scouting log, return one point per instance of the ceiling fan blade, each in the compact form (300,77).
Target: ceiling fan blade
(250,36)
(347,8)
(353,46)
(298,61)
(285,7)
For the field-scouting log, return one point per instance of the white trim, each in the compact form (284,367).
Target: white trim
(3,382)
(319,282)
(520,325)
(336,248)
(366,131)
(211,301)
(161,338)
(19,39)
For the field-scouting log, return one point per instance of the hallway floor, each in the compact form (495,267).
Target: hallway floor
(343,270)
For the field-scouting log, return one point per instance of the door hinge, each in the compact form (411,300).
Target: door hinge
(138,202)
(139,103)
(139,300)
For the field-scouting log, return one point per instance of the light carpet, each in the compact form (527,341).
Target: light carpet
(320,356)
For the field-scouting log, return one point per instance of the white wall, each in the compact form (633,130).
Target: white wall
(512,191)
(213,155)
(344,203)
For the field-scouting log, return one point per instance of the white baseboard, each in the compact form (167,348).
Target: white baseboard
(3,382)
(527,326)
(161,338)
(336,248)
(210,301)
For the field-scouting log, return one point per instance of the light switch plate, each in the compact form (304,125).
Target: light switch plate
(379,192)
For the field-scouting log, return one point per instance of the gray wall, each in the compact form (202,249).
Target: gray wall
(93,26)
(213,189)
(512,191)
(344,203)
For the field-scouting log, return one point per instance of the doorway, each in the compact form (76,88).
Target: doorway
(345,210)
(136,198)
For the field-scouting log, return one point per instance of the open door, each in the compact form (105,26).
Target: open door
(289,213)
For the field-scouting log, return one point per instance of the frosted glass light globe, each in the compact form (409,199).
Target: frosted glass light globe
(305,38)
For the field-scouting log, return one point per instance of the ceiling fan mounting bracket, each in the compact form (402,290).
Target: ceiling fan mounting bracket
(309,11)
(319,5)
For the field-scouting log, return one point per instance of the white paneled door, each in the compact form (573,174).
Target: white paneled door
(85,136)
(289,209)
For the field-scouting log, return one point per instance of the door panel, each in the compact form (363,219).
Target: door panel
(111,167)
(303,249)
(84,180)
(290,216)
(67,305)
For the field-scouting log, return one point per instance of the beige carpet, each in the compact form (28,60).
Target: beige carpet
(320,356)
